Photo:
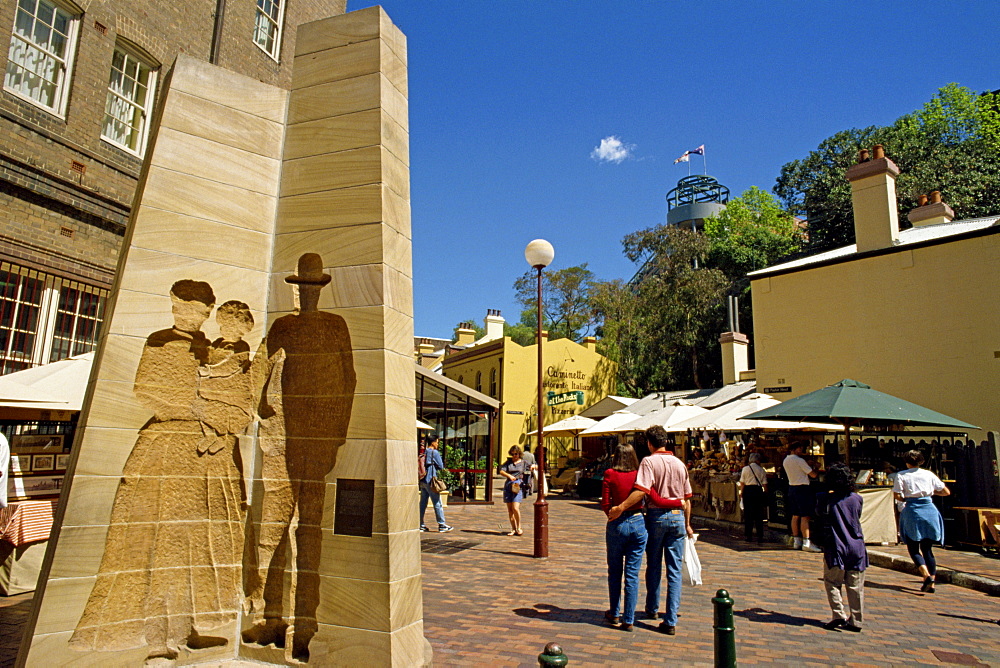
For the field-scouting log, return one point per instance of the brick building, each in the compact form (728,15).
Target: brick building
(80,85)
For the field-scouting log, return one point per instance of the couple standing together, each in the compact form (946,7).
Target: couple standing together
(177,566)
(662,480)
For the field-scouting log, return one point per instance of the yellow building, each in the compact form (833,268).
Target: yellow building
(575,376)
(913,313)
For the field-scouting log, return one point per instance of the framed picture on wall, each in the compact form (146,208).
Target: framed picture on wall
(43,462)
(23,488)
(37,443)
(20,464)
(62,461)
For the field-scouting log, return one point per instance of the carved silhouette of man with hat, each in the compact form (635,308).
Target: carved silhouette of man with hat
(305,371)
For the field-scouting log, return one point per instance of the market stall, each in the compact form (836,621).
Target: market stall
(24,533)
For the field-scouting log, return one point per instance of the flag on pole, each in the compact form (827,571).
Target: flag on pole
(684,158)
(698,151)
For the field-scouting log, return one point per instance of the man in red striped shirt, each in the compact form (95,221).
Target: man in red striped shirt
(664,478)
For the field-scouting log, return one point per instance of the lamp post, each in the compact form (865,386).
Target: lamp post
(539,254)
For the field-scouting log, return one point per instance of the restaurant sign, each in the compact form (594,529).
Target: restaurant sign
(564,397)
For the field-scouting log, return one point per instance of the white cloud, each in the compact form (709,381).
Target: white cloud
(612,150)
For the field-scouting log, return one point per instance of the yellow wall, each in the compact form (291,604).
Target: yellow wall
(567,365)
(922,324)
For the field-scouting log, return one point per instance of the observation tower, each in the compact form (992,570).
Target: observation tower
(695,198)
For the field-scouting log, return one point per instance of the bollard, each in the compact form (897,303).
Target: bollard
(725,630)
(552,657)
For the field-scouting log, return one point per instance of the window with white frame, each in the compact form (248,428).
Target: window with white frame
(130,96)
(267,29)
(41,52)
(45,318)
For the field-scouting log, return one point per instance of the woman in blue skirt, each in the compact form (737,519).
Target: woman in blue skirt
(920,522)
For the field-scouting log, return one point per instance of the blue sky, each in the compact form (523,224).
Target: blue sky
(509,100)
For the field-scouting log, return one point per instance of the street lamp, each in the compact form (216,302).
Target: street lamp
(539,254)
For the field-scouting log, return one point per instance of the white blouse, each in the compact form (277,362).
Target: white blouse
(917,483)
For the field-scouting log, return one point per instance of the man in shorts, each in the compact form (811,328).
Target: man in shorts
(801,499)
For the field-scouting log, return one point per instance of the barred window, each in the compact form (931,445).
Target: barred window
(41,50)
(267,30)
(130,96)
(20,307)
(78,316)
(45,318)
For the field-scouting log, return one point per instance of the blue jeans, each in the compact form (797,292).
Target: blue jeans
(666,530)
(626,539)
(427,493)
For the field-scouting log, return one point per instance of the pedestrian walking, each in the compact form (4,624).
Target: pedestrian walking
(432,464)
(801,499)
(666,526)
(753,492)
(514,470)
(920,521)
(624,537)
(844,554)
(529,479)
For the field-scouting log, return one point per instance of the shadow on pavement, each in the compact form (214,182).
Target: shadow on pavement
(971,619)
(771,617)
(899,588)
(724,540)
(568,615)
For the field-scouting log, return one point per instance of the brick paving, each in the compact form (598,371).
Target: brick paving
(957,560)
(487,602)
(490,603)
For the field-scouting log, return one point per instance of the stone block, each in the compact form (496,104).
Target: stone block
(203,118)
(241,93)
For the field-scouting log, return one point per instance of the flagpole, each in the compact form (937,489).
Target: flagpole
(704,160)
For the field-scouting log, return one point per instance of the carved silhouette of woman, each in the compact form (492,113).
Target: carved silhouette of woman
(171,571)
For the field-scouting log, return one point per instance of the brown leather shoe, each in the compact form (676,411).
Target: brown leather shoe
(667,628)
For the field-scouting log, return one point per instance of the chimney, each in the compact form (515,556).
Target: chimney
(590,343)
(494,325)
(734,356)
(425,354)
(873,193)
(931,211)
(464,334)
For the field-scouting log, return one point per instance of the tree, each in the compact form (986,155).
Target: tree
(566,301)
(751,233)
(951,144)
(656,328)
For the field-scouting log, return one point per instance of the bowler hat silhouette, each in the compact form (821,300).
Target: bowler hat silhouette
(310,271)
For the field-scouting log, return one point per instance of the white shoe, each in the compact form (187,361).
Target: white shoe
(807,546)
(796,543)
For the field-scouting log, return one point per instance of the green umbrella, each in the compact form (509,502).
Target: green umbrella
(849,403)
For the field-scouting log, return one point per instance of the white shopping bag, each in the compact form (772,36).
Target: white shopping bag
(692,565)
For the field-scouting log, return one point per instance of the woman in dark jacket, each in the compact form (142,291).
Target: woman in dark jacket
(844,551)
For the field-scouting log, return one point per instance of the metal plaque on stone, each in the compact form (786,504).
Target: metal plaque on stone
(355,507)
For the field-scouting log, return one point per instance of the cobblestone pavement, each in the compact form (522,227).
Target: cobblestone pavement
(487,602)
(958,560)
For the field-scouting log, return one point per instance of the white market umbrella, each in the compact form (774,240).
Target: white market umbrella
(424,425)
(570,426)
(609,424)
(676,411)
(56,386)
(727,417)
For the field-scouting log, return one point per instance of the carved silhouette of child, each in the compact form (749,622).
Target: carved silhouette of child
(224,385)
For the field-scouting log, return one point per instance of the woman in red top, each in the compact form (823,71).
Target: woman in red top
(625,537)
